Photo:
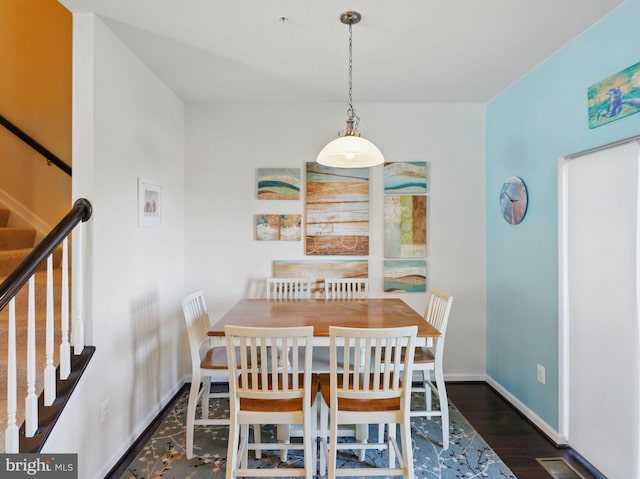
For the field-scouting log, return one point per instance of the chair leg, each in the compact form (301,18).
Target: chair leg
(206,395)
(444,407)
(391,436)
(284,435)
(244,439)
(313,434)
(257,436)
(333,442)
(232,451)
(426,379)
(407,448)
(362,436)
(308,438)
(194,391)
(324,425)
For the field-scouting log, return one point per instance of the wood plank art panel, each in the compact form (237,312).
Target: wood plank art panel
(405,226)
(405,177)
(318,270)
(278,183)
(337,209)
(405,275)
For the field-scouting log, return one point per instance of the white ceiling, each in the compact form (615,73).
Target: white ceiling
(403,50)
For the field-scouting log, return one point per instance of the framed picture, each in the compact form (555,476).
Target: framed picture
(278,183)
(406,178)
(149,203)
(337,211)
(409,276)
(405,226)
(615,97)
(278,227)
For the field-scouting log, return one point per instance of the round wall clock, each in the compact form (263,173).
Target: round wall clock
(513,200)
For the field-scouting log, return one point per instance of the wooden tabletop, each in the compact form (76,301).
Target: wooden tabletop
(322,313)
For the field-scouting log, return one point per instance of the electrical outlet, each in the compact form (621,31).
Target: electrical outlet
(541,374)
(106,409)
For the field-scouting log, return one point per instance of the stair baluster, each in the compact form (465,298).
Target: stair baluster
(49,369)
(11,438)
(65,346)
(31,401)
(78,293)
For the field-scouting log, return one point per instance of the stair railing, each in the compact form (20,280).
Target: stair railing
(23,274)
(51,158)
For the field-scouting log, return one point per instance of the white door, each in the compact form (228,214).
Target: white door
(599,331)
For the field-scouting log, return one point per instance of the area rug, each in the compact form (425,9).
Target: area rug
(163,456)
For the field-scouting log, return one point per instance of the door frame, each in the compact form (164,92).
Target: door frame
(563,288)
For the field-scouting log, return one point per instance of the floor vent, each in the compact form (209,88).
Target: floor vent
(558,468)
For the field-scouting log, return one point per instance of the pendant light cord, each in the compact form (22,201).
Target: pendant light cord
(351,112)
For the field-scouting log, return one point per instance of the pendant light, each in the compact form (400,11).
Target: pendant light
(350,150)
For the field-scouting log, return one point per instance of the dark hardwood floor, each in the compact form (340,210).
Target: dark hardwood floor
(514,439)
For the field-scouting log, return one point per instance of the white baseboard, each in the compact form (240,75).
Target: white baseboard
(133,437)
(22,217)
(466,377)
(528,413)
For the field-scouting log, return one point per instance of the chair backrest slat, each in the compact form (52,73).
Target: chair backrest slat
(288,288)
(438,306)
(346,288)
(198,324)
(437,314)
(376,361)
(269,374)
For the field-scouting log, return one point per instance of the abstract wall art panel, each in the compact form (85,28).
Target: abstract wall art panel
(405,226)
(405,275)
(318,270)
(278,183)
(614,97)
(337,209)
(405,177)
(278,227)
(338,268)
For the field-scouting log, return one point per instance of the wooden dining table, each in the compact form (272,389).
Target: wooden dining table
(322,313)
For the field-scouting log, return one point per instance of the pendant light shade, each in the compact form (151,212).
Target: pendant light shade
(350,150)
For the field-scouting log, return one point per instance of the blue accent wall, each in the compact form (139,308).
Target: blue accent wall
(529,126)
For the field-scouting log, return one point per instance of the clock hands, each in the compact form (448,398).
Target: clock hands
(510,199)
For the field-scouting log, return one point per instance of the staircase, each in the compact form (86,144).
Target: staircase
(15,244)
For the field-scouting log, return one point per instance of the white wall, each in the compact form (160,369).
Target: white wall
(226,143)
(127,124)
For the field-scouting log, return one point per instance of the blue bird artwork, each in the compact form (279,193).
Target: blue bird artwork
(616,103)
(615,97)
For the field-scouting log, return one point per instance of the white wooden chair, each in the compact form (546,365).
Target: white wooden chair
(288,288)
(368,390)
(342,289)
(207,362)
(429,360)
(270,394)
(346,288)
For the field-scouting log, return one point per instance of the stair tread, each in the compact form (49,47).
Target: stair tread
(16,238)
(10,252)
(17,228)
